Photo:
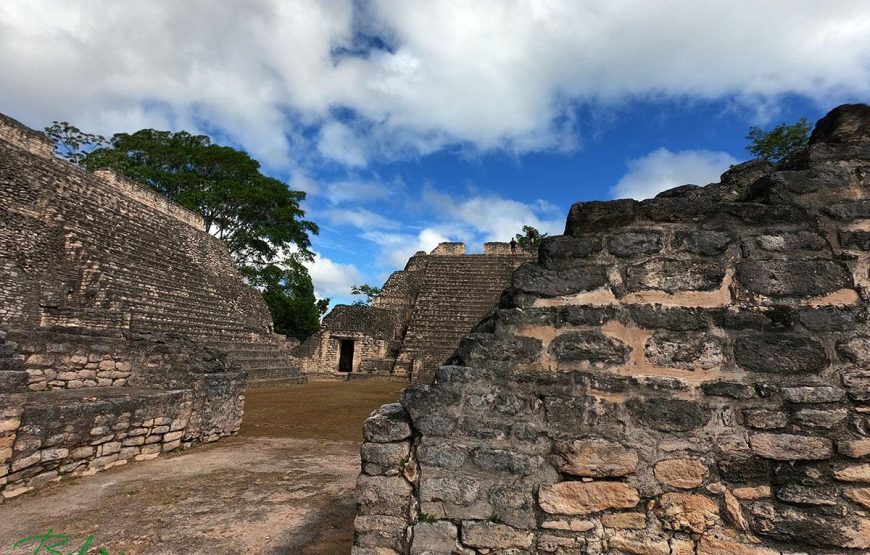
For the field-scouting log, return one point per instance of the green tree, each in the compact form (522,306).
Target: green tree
(779,142)
(369,291)
(258,218)
(530,238)
(70,142)
(289,294)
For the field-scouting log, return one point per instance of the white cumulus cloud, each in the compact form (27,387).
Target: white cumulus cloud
(277,75)
(662,169)
(332,279)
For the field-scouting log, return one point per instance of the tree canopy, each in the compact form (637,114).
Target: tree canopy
(370,292)
(779,142)
(289,294)
(70,142)
(530,238)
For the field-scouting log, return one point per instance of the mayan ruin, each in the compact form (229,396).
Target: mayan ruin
(416,322)
(686,374)
(434,277)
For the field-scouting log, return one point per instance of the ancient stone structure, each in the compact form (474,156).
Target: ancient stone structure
(416,322)
(124,328)
(684,375)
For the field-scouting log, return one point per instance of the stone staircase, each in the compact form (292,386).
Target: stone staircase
(13,378)
(457,292)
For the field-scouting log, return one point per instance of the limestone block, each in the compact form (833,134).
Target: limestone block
(793,278)
(780,353)
(595,458)
(494,536)
(853,473)
(624,521)
(434,537)
(589,346)
(681,473)
(791,447)
(580,498)
(687,512)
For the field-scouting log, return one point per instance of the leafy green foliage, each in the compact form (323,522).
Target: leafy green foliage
(289,294)
(369,291)
(257,216)
(70,142)
(779,142)
(530,238)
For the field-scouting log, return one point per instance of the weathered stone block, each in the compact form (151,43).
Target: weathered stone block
(704,243)
(557,252)
(812,394)
(681,473)
(782,353)
(595,458)
(597,216)
(793,278)
(382,495)
(494,536)
(386,424)
(589,346)
(580,498)
(669,415)
(811,526)
(674,276)
(456,490)
(483,349)
(687,512)
(434,537)
(790,447)
(684,351)
(569,280)
(634,242)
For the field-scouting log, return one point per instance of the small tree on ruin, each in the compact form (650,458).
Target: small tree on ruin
(369,291)
(779,142)
(530,238)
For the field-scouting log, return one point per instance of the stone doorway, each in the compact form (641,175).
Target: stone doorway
(345,358)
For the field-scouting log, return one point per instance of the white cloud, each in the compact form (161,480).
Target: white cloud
(397,248)
(359,218)
(662,169)
(492,218)
(358,191)
(332,279)
(487,74)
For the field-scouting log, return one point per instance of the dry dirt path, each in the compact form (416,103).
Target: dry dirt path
(283,486)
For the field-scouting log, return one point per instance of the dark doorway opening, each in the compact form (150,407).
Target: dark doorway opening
(345,359)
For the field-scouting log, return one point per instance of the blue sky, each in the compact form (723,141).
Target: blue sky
(412,122)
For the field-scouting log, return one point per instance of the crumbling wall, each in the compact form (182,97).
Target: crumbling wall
(683,375)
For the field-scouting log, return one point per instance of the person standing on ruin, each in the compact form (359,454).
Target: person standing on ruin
(513,245)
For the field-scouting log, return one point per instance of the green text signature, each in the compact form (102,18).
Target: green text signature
(50,543)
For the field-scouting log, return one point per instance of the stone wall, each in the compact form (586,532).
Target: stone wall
(683,375)
(160,394)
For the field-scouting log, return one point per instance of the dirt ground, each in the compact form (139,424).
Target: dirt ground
(284,485)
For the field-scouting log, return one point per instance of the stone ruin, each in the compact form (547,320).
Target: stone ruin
(684,375)
(125,330)
(416,322)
